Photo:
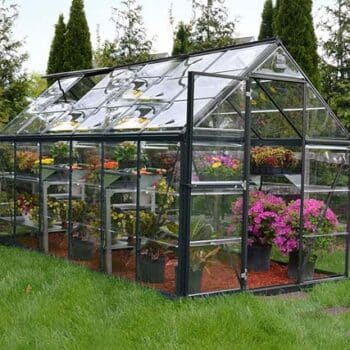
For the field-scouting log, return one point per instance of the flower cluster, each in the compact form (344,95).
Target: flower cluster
(314,219)
(271,221)
(275,157)
(220,167)
(264,214)
(26,160)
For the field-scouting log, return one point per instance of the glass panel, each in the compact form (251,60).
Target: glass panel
(209,87)
(237,60)
(14,125)
(55,194)
(195,63)
(101,119)
(159,215)
(289,96)
(321,123)
(266,118)
(6,193)
(279,63)
(174,116)
(86,205)
(27,195)
(158,69)
(326,169)
(39,122)
(137,117)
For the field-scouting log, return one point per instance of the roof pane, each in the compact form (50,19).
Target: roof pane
(237,60)
(279,63)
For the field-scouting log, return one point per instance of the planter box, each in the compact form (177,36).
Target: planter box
(194,280)
(269,170)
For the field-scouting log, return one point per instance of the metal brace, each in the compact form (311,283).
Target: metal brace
(249,93)
(244,185)
(244,275)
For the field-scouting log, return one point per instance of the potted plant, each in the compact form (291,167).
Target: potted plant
(199,256)
(158,229)
(82,246)
(60,153)
(126,155)
(268,160)
(264,217)
(25,161)
(218,168)
(316,218)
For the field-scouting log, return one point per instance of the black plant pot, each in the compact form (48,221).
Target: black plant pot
(259,257)
(194,280)
(81,250)
(308,267)
(152,271)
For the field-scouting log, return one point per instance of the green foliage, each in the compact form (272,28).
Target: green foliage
(294,26)
(131,44)
(212,28)
(77,46)
(13,83)
(182,41)
(125,151)
(56,57)
(36,85)
(335,67)
(266,27)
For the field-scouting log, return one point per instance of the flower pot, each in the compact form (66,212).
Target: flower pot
(81,250)
(268,170)
(152,271)
(308,267)
(194,280)
(259,257)
(127,164)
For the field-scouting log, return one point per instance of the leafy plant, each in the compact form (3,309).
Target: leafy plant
(275,157)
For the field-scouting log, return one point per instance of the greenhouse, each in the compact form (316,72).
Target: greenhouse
(219,171)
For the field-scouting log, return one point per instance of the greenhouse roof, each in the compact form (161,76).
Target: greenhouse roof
(152,96)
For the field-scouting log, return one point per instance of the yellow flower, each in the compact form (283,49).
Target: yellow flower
(216,165)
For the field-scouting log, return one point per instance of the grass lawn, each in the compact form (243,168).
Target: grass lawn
(46,303)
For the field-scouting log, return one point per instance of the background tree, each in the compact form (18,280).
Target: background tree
(131,44)
(77,45)
(335,65)
(36,85)
(182,41)
(212,28)
(266,27)
(56,57)
(294,26)
(13,82)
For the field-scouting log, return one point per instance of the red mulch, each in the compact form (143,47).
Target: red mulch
(216,276)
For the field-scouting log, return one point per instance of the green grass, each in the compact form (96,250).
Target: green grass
(69,307)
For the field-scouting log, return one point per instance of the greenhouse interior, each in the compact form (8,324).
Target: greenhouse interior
(218,171)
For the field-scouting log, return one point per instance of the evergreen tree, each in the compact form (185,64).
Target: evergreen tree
(131,44)
(266,27)
(13,83)
(77,45)
(294,26)
(182,41)
(56,57)
(212,28)
(336,61)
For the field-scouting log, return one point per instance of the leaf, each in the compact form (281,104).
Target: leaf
(28,289)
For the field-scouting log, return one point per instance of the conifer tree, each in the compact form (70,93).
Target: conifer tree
(56,57)
(77,46)
(182,41)
(212,28)
(294,26)
(13,82)
(266,27)
(335,66)
(131,44)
